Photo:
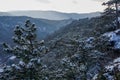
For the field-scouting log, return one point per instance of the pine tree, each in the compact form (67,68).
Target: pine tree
(113,11)
(28,50)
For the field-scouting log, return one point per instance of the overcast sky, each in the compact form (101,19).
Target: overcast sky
(76,6)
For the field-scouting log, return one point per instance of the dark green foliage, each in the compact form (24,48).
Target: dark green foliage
(112,12)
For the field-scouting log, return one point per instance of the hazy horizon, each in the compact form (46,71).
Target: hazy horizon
(48,11)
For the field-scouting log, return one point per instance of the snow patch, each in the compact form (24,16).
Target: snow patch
(21,63)
(117,60)
(114,64)
(114,37)
(1,70)
(16,66)
(119,19)
(95,77)
(109,67)
(90,39)
(12,57)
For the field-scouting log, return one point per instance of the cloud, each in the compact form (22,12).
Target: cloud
(44,1)
(99,0)
(74,1)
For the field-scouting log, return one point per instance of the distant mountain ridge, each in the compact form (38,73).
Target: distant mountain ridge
(52,15)
(5,14)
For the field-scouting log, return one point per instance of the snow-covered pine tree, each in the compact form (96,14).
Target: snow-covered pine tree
(28,50)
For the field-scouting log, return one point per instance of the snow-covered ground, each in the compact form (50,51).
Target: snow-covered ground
(114,37)
(111,70)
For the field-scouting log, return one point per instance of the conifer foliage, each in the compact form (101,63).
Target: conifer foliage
(28,50)
(113,11)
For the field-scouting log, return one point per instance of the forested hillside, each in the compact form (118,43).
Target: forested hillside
(80,41)
(85,49)
(44,28)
